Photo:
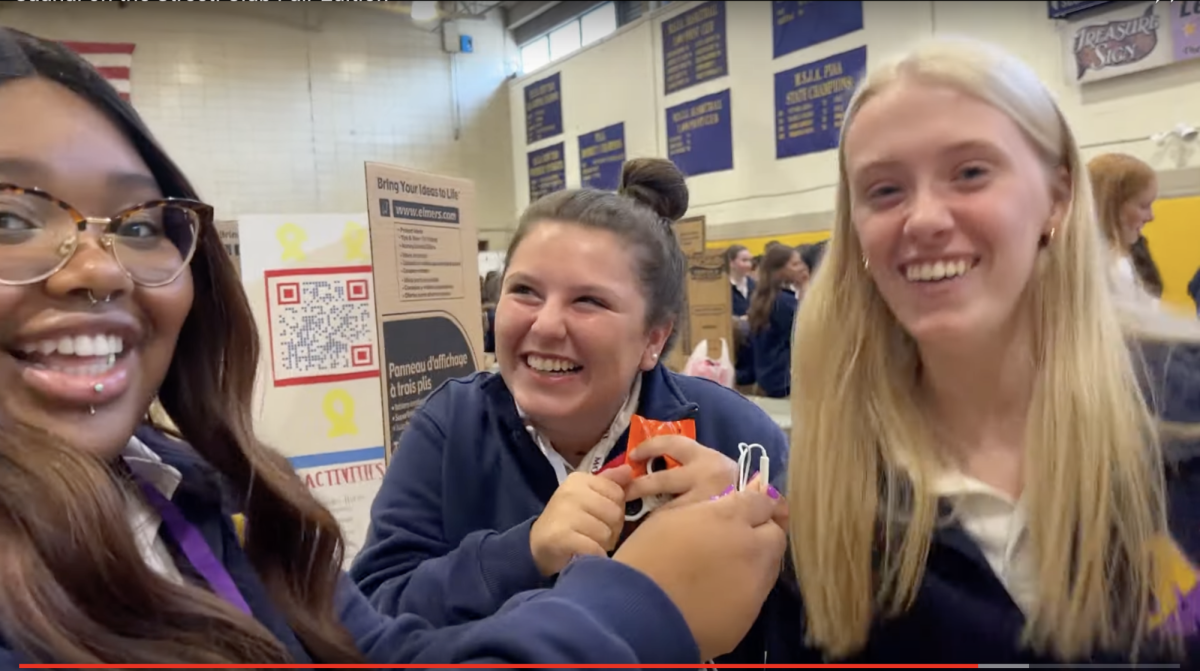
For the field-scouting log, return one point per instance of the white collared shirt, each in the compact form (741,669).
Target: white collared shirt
(594,459)
(144,520)
(1125,284)
(742,285)
(999,526)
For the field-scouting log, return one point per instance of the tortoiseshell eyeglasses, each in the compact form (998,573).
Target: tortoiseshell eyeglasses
(152,242)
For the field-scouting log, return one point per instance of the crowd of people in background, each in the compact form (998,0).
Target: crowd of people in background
(766,293)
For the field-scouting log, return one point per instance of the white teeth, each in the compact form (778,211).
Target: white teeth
(938,270)
(81,345)
(92,369)
(548,365)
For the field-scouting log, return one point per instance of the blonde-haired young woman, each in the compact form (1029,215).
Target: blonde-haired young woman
(973,472)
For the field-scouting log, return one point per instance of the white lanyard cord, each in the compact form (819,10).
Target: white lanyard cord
(746,464)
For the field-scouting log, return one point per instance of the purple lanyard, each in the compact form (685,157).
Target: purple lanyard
(194,547)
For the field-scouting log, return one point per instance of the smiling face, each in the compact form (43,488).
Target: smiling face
(1137,212)
(62,356)
(571,328)
(949,202)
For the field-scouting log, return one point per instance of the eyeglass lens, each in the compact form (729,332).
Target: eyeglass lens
(37,236)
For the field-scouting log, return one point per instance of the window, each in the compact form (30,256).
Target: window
(566,40)
(598,23)
(535,54)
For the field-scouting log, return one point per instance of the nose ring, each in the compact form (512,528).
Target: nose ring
(94,302)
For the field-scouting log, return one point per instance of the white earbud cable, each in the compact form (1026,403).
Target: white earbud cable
(746,463)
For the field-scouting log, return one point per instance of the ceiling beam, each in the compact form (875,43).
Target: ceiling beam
(550,18)
(517,14)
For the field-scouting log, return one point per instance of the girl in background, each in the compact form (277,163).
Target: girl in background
(813,254)
(740,266)
(771,316)
(490,291)
(975,474)
(1125,189)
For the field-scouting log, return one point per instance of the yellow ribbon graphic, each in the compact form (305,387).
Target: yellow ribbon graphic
(292,238)
(338,407)
(355,240)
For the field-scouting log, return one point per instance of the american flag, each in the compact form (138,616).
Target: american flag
(112,59)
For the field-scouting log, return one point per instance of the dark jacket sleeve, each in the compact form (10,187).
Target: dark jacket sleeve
(1170,377)
(408,566)
(599,612)
(777,636)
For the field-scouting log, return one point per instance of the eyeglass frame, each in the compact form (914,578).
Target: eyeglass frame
(203,211)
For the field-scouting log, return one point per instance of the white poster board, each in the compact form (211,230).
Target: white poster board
(310,284)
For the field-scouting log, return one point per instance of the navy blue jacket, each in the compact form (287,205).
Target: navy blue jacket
(741,304)
(599,611)
(744,355)
(773,347)
(1194,290)
(1171,381)
(963,613)
(449,535)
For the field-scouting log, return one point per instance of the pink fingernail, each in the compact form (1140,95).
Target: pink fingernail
(728,490)
(772,492)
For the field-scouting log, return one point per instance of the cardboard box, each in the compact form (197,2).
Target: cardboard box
(709,301)
(426,271)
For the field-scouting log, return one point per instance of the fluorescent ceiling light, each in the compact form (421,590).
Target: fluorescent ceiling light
(423,11)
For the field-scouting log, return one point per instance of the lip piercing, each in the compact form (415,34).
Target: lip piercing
(94,302)
(91,409)
(98,388)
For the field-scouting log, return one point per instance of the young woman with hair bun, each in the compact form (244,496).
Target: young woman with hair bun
(495,485)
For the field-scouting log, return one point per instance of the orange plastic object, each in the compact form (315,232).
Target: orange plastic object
(642,429)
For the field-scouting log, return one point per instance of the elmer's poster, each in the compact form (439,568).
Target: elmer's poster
(310,284)
(425,248)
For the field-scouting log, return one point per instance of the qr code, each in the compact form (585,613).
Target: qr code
(322,326)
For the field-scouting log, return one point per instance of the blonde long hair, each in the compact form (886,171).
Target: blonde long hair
(862,453)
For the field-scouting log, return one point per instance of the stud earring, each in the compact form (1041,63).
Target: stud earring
(866,264)
(654,355)
(1047,238)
